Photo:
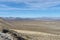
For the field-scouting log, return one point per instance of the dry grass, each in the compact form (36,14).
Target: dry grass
(31,35)
(41,26)
(49,27)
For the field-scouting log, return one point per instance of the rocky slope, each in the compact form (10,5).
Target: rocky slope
(13,34)
(10,35)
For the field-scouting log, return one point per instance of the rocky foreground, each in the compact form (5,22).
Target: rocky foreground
(26,35)
(9,35)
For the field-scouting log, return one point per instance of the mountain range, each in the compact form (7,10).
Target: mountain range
(39,18)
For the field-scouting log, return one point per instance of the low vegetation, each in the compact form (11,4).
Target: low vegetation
(33,30)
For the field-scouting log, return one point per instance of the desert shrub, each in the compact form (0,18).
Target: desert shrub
(5,31)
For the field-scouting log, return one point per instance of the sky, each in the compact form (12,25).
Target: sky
(30,8)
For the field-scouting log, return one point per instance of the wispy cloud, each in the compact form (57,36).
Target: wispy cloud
(27,4)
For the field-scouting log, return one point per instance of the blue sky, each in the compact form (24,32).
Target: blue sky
(29,8)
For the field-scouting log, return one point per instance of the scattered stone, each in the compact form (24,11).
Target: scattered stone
(8,35)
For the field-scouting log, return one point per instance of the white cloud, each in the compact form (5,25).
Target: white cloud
(5,7)
(33,4)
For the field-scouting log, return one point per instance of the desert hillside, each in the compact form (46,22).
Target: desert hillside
(14,34)
(31,35)
(32,25)
(33,29)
